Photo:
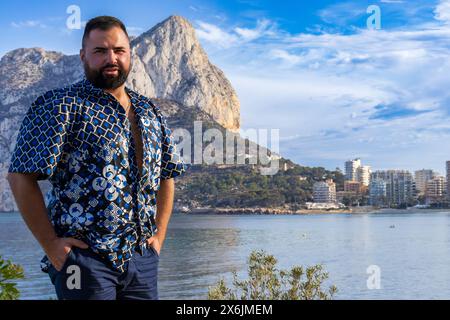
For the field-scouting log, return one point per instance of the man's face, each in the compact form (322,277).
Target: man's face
(106,58)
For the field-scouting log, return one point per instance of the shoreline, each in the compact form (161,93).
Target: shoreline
(287,211)
(277,211)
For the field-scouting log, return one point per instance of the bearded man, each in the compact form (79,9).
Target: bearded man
(111,160)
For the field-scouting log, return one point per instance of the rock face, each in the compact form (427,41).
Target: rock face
(169,63)
(26,73)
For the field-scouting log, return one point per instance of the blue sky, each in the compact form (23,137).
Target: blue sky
(335,89)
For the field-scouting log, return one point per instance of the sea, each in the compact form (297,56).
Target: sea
(391,254)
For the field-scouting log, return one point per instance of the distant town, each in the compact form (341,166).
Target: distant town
(296,190)
(383,188)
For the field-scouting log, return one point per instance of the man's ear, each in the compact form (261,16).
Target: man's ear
(82,54)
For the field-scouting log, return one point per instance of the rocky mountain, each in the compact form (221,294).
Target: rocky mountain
(170,63)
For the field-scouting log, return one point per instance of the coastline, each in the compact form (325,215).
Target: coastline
(289,211)
(277,211)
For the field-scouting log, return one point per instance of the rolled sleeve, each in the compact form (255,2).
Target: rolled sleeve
(172,164)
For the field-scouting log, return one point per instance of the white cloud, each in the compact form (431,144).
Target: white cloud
(285,56)
(28,24)
(263,28)
(322,91)
(213,34)
(340,13)
(218,37)
(442,11)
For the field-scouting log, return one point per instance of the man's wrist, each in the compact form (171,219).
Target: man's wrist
(48,243)
(160,237)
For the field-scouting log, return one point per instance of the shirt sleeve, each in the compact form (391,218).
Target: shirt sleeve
(42,138)
(172,164)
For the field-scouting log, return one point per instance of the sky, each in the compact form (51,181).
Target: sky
(336,88)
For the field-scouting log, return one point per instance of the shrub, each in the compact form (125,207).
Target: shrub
(265,282)
(9,271)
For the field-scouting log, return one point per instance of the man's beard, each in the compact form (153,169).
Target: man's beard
(99,80)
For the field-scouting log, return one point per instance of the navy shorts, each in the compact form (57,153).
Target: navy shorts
(86,276)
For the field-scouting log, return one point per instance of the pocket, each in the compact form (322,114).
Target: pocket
(154,251)
(147,264)
(69,258)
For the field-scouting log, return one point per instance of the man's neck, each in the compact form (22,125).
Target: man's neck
(118,93)
(121,95)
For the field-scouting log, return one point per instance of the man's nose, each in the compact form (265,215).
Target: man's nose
(111,57)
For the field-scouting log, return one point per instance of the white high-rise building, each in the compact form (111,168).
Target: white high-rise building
(363,175)
(400,189)
(435,190)
(422,177)
(324,192)
(351,169)
(355,171)
(377,192)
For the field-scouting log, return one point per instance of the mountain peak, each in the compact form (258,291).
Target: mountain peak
(177,22)
(177,19)
(175,25)
(170,63)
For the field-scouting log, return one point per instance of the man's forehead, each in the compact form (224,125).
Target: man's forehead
(105,38)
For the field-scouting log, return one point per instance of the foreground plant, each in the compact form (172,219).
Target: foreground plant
(9,271)
(265,282)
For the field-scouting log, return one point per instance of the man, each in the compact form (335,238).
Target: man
(111,160)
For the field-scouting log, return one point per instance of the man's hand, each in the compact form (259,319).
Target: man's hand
(155,242)
(30,202)
(164,203)
(58,250)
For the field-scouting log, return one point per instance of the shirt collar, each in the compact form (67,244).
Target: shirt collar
(91,89)
(88,86)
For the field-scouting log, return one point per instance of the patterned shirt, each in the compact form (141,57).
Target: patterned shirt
(80,139)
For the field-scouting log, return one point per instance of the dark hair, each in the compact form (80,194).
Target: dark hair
(103,23)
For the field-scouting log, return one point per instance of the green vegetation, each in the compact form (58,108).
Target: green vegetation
(9,271)
(244,186)
(265,282)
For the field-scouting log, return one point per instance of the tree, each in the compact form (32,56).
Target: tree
(9,271)
(267,283)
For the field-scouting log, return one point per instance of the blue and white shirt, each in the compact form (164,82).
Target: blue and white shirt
(79,138)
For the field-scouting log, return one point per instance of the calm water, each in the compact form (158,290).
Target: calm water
(413,256)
